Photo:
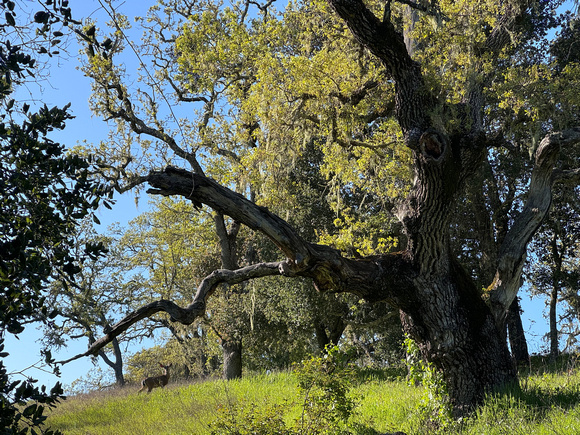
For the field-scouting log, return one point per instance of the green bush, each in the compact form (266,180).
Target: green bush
(435,405)
(324,384)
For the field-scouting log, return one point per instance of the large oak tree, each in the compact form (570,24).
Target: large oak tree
(361,79)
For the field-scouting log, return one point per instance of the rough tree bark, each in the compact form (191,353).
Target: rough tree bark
(460,329)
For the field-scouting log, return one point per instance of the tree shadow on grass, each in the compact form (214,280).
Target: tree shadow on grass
(552,382)
(545,385)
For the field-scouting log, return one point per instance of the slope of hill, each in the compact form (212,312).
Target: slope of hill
(549,402)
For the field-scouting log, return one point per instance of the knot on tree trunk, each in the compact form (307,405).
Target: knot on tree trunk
(432,144)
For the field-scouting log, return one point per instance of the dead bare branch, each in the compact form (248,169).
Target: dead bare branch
(513,250)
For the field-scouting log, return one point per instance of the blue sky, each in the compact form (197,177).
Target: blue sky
(67,84)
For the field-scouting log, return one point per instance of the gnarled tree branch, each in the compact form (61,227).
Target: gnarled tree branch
(382,39)
(179,314)
(512,253)
(387,277)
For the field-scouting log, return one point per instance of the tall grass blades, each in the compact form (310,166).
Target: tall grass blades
(548,402)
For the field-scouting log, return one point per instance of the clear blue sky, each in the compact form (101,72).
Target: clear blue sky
(67,84)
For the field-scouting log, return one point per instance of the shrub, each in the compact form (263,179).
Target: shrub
(324,384)
(435,404)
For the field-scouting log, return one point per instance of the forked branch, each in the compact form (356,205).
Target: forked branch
(513,250)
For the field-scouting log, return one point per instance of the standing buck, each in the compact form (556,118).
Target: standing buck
(156,381)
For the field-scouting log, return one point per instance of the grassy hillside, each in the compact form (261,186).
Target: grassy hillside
(549,403)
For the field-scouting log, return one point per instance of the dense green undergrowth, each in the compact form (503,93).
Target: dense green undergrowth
(547,403)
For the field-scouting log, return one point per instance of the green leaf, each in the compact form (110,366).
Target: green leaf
(10,18)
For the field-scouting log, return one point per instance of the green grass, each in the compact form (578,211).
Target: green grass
(548,403)
(172,410)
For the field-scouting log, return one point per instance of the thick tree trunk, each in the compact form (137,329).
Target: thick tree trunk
(456,331)
(554,294)
(232,351)
(117,363)
(517,338)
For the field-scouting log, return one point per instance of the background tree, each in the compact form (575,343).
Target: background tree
(173,247)
(102,292)
(555,269)
(341,71)
(555,246)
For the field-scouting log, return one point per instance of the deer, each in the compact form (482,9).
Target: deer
(156,381)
